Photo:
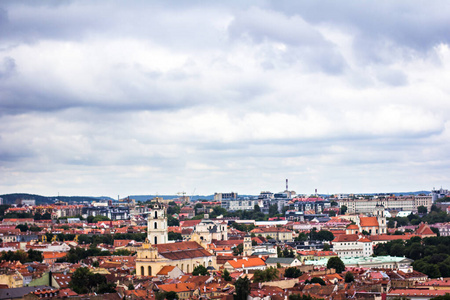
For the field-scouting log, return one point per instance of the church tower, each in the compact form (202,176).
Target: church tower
(247,246)
(381,218)
(157,225)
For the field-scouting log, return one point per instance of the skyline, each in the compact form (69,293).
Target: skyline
(108,98)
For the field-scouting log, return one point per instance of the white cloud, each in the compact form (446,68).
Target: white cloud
(99,98)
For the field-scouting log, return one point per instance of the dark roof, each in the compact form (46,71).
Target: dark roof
(20,292)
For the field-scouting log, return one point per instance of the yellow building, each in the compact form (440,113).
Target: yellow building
(151,259)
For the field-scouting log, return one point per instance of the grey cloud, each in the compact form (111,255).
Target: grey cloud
(303,42)
(8,67)
(408,24)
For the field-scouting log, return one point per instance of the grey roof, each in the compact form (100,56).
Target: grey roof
(281,260)
(20,292)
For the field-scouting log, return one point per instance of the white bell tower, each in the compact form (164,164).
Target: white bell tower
(157,225)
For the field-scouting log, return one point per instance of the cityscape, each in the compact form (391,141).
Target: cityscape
(269,246)
(227,150)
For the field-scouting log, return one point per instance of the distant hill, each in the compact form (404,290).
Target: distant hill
(11,198)
(144,198)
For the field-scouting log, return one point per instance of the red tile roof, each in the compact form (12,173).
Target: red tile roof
(368,221)
(346,238)
(182,250)
(247,263)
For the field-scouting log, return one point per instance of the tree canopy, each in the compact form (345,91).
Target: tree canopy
(337,264)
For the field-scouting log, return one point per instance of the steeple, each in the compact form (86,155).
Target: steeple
(157,225)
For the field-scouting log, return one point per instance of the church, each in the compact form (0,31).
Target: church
(156,252)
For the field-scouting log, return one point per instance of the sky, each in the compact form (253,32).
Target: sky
(117,98)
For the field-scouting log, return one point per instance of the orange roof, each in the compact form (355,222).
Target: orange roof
(47,255)
(352,226)
(364,240)
(165,270)
(368,221)
(346,238)
(247,262)
(424,229)
(178,287)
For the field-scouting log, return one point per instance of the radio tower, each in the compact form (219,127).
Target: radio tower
(287,185)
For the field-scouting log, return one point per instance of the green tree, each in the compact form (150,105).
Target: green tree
(349,277)
(325,235)
(273,210)
(343,209)
(292,272)
(200,270)
(122,252)
(242,288)
(336,263)
(171,221)
(326,247)
(174,236)
(130,287)
(34,255)
(171,295)
(318,280)
(422,210)
(238,249)
(23,227)
(226,275)
(266,275)
(80,281)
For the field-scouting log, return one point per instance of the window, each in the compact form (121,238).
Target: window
(156,225)
(156,240)
(142,271)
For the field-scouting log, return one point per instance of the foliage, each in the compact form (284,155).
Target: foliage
(25,228)
(242,288)
(273,210)
(317,280)
(123,252)
(422,210)
(174,236)
(292,272)
(171,221)
(130,287)
(430,254)
(323,235)
(22,256)
(200,270)
(332,213)
(349,277)
(301,237)
(336,263)
(226,275)
(76,254)
(92,219)
(238,249)
(84,281)
(243,227)
(268,274)
(343,209)
(326,247)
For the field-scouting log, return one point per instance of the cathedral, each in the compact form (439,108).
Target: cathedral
(156,252)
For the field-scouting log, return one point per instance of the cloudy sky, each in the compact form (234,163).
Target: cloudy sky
(139,97)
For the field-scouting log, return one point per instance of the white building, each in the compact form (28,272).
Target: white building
(352,245)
